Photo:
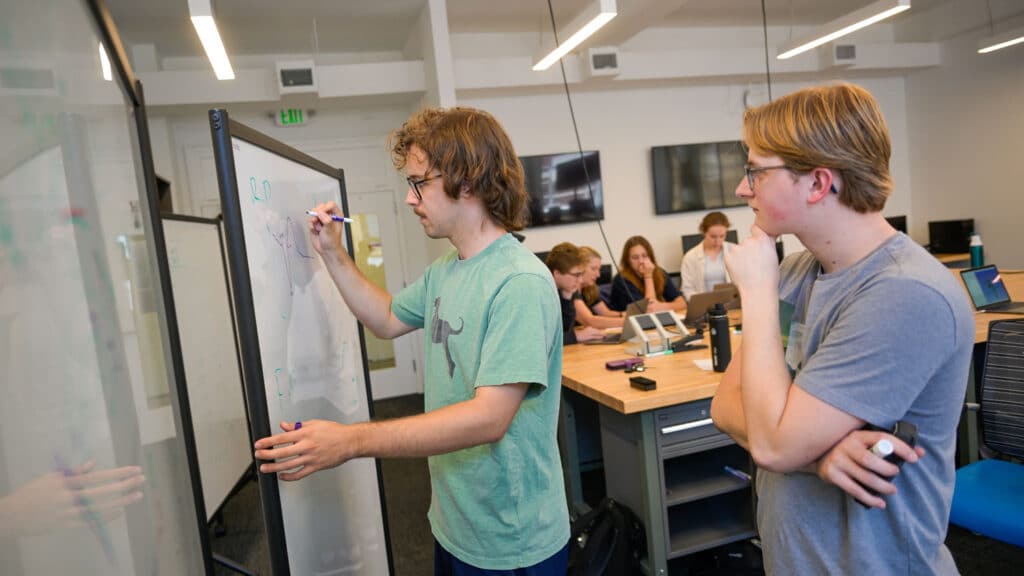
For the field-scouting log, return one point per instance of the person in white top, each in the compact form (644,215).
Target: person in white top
(704,265)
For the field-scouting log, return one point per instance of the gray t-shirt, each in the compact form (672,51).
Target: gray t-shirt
(887,339)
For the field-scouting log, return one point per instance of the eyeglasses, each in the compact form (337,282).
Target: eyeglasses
(751,172)
(415,184)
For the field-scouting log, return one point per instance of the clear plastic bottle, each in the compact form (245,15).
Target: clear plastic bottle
(721,344)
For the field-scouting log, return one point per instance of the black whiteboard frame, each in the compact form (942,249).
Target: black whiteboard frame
(223,129)
(146,173)
(251,469)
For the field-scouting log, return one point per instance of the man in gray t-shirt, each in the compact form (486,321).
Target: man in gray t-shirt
(863,328)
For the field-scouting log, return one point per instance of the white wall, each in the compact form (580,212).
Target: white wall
(624,124)
(967,136)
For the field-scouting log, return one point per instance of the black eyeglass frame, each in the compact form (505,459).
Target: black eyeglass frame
(415,184)
(751,172)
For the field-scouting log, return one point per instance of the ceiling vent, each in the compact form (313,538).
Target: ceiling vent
(602,61)
(296,77)
(844,54)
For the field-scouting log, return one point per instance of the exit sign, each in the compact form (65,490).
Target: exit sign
(290,117)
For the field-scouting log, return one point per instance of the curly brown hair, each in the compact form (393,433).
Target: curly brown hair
(472,152)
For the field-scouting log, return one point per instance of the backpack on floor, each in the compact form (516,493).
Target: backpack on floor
(608,540)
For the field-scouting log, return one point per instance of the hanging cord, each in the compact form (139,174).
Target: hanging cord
(767,68)
(991,26)
(579,145)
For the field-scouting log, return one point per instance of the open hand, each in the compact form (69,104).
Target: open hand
(317,445)
(69,498)
(589,334)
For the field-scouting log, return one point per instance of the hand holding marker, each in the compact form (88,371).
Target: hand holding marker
(333,217)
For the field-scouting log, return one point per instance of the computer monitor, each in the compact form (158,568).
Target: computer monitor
(897,222)
(950,236)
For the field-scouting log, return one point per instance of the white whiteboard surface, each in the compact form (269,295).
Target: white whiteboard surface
(312,362)
(212,374)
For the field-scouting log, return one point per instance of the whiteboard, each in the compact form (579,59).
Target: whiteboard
(302,348)
(213,377)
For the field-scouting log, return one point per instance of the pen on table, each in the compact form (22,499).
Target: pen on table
(737,473)
(333,217)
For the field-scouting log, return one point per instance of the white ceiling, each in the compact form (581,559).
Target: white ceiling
(251,27)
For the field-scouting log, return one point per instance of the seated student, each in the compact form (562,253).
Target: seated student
(591,310)
(566,265)
(704,265)
(641,278)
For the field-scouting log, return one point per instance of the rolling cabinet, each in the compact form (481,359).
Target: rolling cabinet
(670,468)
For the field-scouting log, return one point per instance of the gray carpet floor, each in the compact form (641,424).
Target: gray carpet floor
(407,497)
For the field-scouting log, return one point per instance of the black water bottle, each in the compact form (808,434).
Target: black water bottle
(721,345)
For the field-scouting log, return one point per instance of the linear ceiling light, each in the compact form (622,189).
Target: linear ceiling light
(105,65)
(596,15)
(999,41)
(844,25)
(202,18)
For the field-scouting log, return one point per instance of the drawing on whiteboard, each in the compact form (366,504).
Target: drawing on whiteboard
(290,239)
(255,194)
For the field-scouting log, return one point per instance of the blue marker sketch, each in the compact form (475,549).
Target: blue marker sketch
(286,240)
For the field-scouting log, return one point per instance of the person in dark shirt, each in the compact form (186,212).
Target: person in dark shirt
(566,264)
(640,278)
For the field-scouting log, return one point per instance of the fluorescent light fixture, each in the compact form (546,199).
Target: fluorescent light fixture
(105,65)
(844,25)
(596,15)
(999,41)
(202,19)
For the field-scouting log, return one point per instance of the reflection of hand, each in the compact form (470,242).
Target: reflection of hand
(71,498)
(851,466)
(317,445)
(325,233)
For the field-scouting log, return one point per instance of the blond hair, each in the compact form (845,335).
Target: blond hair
(839,127)
(591,293)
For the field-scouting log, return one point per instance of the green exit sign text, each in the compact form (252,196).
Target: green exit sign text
(291,117)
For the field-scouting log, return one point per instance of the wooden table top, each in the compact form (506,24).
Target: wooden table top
(1014,280)
(679,379)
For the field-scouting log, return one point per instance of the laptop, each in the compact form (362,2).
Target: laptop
(634,308)
(988,292)
(697,307)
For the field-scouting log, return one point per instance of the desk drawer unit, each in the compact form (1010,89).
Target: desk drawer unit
(706,501)
(687,428)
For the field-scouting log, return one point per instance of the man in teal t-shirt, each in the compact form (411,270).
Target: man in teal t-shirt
(493,352)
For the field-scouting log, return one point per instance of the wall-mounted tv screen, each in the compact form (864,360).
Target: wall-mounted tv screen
(564,188)
(690,177)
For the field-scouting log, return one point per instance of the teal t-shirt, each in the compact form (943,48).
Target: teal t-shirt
(494,319)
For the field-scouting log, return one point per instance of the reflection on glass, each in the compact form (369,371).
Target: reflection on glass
(90,470)
(370,260)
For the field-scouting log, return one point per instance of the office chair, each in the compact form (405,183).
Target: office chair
(989,494)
